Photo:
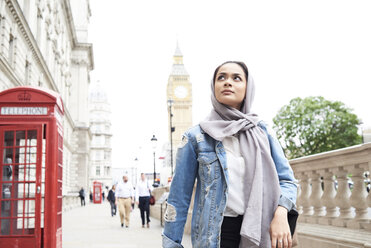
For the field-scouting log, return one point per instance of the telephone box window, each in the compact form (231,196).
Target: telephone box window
(8,138)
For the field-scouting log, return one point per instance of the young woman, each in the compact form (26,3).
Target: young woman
(245,185)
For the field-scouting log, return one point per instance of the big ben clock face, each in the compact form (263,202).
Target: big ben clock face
(181,92)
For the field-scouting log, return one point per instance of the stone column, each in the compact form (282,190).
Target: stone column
(315,197)
(342,198)
(368,226)
(305,196)
(328,198)
(358,199)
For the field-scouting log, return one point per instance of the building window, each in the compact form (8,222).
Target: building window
(107,155)
(97,170)
(11,49)
(99,140)
(38,30)
(106,171)
(99,155)
(27,73)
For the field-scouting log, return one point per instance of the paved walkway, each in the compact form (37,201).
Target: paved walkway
(93,227)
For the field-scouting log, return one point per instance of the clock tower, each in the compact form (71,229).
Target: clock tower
(179,91)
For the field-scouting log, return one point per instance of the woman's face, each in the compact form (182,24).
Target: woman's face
(230,85)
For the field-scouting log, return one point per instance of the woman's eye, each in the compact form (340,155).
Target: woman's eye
(221,77)
(237,78)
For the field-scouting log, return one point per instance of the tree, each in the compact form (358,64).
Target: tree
(314,124)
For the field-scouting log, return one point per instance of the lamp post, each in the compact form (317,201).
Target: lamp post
(136,170)
(154,145)
(172,129)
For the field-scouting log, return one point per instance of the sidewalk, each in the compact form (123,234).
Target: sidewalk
(93,227)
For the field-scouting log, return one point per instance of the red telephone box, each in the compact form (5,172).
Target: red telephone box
(97,192)
(31,157)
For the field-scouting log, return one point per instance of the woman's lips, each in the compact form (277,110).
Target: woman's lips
(227,92)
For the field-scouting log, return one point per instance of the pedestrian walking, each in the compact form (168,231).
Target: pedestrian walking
(102,194)
(112,200)
(124,198)
(82,196)
(91,196)
(245,185)
(142,195)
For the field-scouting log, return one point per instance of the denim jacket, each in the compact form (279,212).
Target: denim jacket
(203,158)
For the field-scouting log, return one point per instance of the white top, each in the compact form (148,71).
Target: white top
(142,189)
(124,190)
(237,169)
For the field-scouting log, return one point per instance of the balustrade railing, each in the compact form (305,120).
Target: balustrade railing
(333,187)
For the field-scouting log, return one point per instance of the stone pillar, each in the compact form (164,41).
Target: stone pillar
(81,155)
(358,199)
(328,197)
(368,226)
(304,197)
(315,197)
(342,198)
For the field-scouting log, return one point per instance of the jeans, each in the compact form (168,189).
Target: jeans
(144,207)
(230,234)
(113,208)
(82,198)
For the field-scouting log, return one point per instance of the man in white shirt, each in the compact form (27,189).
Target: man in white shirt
(142,198)
(124,198)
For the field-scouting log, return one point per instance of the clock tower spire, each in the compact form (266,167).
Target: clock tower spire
(179,91)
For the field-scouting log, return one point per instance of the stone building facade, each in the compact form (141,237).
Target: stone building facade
(44,43)
(100,126)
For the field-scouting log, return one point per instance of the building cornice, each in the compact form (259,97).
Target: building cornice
(75,44)
(70,26)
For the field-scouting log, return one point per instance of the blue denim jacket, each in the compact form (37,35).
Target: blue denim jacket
(200,156)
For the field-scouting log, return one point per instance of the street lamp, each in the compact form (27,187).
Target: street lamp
(154,145)
(136,170)
(172,129)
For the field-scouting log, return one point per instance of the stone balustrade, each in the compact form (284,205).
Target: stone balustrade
(333,193)
(333,187)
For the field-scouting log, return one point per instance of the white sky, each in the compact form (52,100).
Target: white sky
(292,48)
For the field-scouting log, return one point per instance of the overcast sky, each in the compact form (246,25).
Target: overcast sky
(292,48)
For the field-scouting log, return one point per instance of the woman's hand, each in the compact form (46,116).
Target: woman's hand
(280,229)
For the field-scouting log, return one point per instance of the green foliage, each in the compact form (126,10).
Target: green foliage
(313,125)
